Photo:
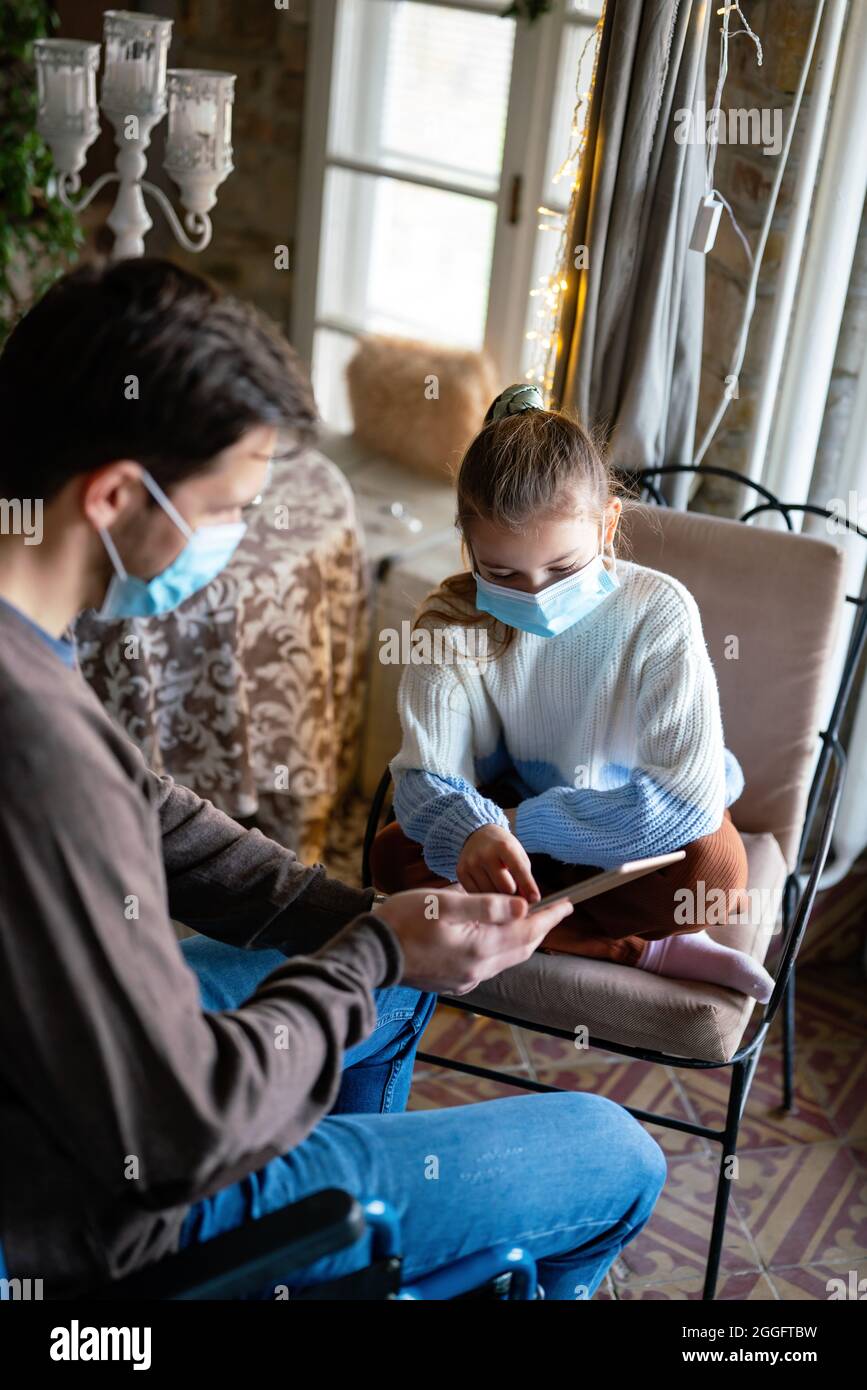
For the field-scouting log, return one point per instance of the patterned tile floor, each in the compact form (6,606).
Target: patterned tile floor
(798,1210)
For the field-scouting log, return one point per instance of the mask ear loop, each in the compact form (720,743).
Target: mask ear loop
(119,567)
(166,503)
(168,507)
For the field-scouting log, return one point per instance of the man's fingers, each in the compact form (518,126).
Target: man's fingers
(512,942)
(489,908)
(507,943)
(550,916)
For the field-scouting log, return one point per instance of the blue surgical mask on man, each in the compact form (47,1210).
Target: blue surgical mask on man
(553,609)
(208,550)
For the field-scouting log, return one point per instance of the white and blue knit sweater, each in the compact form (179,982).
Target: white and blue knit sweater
(611,731)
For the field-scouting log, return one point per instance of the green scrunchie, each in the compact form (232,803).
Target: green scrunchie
(516,399)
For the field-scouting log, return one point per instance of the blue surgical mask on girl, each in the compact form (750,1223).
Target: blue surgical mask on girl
(553,609)
(208,550)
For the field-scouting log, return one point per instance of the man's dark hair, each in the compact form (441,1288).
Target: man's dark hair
(205,367)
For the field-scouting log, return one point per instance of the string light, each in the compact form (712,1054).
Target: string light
(545,337)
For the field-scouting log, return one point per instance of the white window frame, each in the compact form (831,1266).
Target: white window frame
(530,110)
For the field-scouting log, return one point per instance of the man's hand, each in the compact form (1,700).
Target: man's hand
(494,861)
(451,941)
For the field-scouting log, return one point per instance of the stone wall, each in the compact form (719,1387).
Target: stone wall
(257,207)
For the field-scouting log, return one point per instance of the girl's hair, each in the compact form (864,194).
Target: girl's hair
(538,463)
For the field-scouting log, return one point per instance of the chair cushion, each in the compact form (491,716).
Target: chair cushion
(620,1004)
(770,603)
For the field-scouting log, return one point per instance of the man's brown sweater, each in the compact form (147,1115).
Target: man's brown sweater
(121,1101)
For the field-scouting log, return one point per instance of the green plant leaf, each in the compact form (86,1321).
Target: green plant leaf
(527,9)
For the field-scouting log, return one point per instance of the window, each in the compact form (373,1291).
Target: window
(432,132)
(574,77)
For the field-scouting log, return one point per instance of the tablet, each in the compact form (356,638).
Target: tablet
(607,879)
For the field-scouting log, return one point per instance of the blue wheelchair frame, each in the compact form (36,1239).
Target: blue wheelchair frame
(267,1253)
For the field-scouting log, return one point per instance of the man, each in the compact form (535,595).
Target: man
(151,1096)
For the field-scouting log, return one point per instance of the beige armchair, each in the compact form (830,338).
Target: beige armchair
(779,597)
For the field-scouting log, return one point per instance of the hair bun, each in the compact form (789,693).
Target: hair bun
(516,399)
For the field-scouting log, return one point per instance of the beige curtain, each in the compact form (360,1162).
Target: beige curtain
(632,321)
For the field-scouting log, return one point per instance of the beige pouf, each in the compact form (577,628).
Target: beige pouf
(419,404)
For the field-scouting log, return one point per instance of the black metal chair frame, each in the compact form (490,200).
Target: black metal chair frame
(798,897)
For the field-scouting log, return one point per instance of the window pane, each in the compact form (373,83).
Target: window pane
(570,81)
(539,318)
(582,8)
(574,76)
(331,353)
(397,258)
(422,89)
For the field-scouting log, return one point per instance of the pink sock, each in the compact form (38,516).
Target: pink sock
(696,956)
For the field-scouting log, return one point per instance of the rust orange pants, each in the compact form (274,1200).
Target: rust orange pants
(614,925)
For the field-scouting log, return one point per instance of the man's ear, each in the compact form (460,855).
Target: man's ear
(108,492)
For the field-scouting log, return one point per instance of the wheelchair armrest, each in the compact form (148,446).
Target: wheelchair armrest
(247,1259)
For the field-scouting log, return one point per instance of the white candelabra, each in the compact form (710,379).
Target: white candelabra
(137,90)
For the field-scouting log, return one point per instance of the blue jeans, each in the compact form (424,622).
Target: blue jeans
(570,1177)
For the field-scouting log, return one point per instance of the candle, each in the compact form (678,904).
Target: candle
(66,116)
(200,107)
(66,71)
(135,61)
(132,72)
(180,121)
(75,91)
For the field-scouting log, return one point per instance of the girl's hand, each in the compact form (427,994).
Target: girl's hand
(493,861)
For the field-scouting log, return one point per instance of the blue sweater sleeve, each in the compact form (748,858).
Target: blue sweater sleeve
(439,813)
(606,828)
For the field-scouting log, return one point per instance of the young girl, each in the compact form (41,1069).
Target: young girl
(591,733)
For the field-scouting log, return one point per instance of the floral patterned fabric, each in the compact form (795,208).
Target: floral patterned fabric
(251,692)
